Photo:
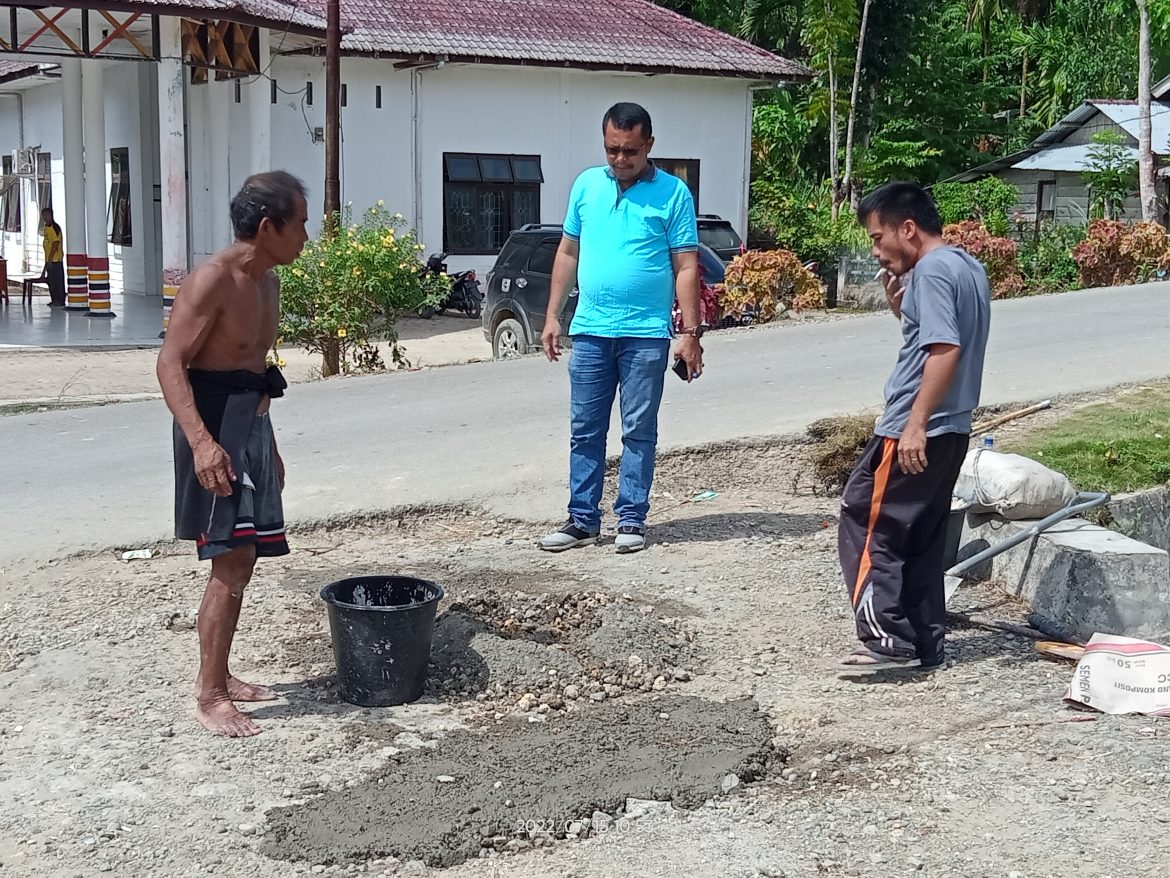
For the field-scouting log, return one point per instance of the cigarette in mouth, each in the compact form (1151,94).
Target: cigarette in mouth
(878,276)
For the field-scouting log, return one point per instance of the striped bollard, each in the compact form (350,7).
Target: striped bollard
(77,282)
(99,287)
(170,289)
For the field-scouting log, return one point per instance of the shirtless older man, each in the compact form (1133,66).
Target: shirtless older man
(228,472)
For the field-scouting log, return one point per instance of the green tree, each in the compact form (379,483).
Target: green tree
(780,132)
(1112,175)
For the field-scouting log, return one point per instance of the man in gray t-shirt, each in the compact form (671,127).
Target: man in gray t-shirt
(896,504)
(947,301)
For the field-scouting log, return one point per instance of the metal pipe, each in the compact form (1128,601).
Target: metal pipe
(1081,503)
(416,140)
(19,114)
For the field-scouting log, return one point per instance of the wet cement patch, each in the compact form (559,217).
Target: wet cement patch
(498,785)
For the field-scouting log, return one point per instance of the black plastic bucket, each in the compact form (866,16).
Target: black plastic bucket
(955,522)
(382,627)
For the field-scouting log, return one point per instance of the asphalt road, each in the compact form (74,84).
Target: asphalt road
(496,433)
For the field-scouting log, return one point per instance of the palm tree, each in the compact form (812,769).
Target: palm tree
(1031,12)
(983,14)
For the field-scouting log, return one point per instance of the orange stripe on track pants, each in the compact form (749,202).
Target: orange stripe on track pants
(881,478)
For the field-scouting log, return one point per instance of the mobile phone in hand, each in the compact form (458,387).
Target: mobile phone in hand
(681,369)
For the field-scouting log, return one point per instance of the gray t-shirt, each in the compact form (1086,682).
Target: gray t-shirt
(948,301)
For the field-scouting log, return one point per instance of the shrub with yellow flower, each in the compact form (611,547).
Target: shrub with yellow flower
(342,296)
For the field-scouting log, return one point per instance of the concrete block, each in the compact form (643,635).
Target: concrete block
(1082,577)
(869,296)
(1145,516)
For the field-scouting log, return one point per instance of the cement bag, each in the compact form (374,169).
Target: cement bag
(1122,675)
(1016,487)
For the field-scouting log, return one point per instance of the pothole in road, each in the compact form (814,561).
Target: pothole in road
(569,685)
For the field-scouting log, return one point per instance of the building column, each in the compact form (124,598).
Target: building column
(260,112)
(172,154)
(76,260)
(219,108)
(93,123)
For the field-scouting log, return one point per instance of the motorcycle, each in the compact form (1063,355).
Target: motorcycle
(465,295)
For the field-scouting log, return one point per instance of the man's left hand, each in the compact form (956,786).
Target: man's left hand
(691,351)
(912,450)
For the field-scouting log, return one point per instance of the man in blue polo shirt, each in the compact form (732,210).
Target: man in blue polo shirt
(631,243)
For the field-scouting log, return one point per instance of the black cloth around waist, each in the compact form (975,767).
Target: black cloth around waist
(223,382)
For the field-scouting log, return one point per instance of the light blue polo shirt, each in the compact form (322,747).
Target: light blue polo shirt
(624,272)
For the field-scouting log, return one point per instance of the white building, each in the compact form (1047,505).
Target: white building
(470,119)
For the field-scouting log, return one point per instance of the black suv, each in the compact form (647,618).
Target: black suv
(516,300)
(718,234)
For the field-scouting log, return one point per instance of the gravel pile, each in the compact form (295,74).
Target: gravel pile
(542,652)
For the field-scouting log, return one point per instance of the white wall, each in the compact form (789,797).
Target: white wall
(375,143)
(42,126)
(555,114)
(478,108)
(130,122)
(128,116)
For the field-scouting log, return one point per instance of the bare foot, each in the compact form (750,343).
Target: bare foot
(220,717)
(238,690)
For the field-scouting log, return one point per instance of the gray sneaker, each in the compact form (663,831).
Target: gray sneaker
(629,539)
(568,537)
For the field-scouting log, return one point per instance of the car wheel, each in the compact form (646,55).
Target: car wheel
(509,340)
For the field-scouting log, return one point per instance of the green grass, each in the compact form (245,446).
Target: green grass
(1120,445)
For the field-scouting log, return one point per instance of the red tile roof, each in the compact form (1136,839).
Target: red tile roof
(277,14)
(14,68)
(623,34)
(604,34)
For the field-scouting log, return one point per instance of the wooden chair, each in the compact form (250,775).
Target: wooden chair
(27,287)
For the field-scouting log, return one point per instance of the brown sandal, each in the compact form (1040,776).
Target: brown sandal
(876,661)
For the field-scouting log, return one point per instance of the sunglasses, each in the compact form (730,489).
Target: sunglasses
(626,153)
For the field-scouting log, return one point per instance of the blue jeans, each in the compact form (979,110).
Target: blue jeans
(598,368)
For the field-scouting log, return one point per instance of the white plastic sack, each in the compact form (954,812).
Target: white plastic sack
(1012,485)
(1122,675)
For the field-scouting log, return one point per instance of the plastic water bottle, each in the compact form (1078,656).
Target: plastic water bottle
(989,443)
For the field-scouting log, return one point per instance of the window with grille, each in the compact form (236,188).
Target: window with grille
(1045,201)
(487,197)
(10,190)
(118,213)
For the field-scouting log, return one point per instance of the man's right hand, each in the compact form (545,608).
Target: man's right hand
(213,466)
(550,339)
(895,290)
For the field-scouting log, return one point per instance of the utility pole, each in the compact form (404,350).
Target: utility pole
(332,115)
(1146,179)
